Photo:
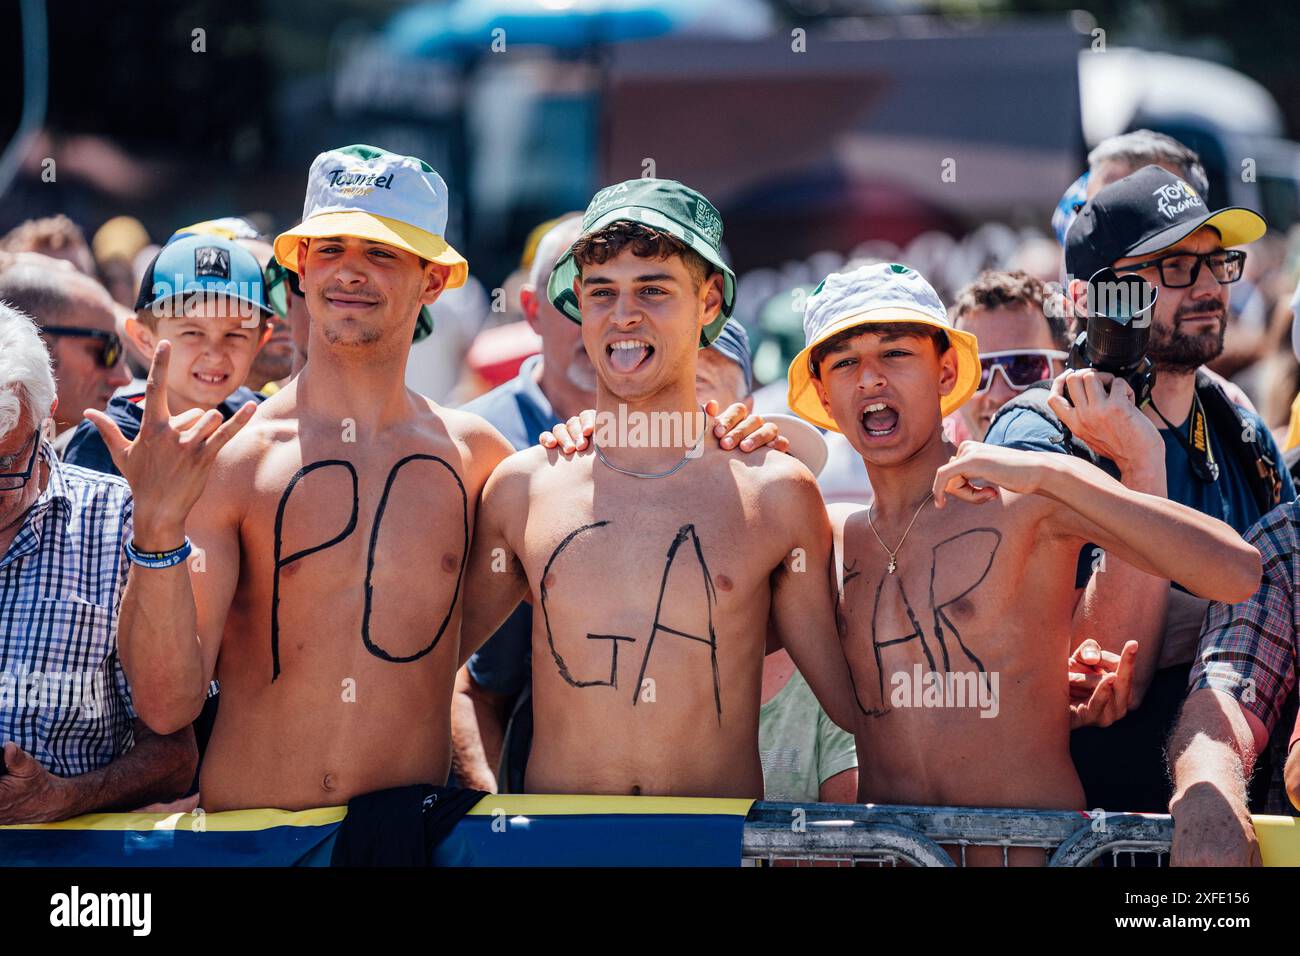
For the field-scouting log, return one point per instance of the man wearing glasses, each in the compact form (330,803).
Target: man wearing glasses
(72,743)
(1021,336)
(1189,443)
(75,316)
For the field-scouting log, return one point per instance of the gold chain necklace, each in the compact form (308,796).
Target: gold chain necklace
(893,555)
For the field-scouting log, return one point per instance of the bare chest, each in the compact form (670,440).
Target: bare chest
(626,592)
(358,555)
(954,607)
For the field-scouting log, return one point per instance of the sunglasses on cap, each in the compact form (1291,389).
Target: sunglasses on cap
(110,346)
(1019,368)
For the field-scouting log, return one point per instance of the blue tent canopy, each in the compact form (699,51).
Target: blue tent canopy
(464,28)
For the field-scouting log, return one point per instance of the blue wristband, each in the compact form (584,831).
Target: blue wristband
(159,559)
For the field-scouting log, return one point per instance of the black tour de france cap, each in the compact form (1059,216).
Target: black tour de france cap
(1145,212)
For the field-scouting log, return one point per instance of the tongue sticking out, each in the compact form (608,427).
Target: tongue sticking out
(881,421)
(624,360)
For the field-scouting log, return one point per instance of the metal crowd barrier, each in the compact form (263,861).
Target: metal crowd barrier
(846,835)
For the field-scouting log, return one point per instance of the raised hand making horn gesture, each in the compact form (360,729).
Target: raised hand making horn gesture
(168,463)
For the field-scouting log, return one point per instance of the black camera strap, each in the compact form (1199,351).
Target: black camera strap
(1197,442)
(1256,456)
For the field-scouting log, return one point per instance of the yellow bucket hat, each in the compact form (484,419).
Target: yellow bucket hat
(374,194)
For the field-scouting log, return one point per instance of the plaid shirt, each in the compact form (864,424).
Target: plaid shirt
(63,696)
(1249,650)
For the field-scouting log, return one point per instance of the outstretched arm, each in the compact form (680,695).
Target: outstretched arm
(495,581)
(1156,535)
(154,769)
(1211,754)
(803,603)
(1120,603)
(169,630)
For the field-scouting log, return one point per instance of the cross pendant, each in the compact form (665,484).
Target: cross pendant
(893,563)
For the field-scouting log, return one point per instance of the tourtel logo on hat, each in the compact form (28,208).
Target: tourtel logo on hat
(370,193)
(872,295)
(1144,213)
(662,204)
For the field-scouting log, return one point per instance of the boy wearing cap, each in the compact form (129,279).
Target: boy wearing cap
(958,609)
(652,570)
(203,294)
(336,673)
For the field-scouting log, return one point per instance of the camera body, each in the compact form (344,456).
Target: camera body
(1119,326)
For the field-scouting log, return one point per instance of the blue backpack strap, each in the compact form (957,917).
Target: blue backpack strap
(1034,399)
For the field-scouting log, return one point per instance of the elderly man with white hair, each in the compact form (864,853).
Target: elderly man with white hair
(72,742)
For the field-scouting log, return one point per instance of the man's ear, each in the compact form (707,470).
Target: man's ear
(711,298)
(948,371)
(528,304)
(435,281)
(1077,295)
(302,256)
(141,336)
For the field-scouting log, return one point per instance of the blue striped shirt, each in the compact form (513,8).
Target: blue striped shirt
(63,696)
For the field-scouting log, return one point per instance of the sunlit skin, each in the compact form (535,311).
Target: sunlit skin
(1198,312)
(1000,330)
(987,578)
(362,292)
(298,319)
(566,375)
(634,299)
(214,341)
(302,738)
(275,359)
(719,379)
(903,372)
(686,735)
(15,451)
(567,378)
(81,378)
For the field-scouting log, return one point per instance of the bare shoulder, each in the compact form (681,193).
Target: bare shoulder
(777,477)
(236,464)
(1032,512)
(482,447)
(472,430)
(781,488)
(518,472)
(547,465)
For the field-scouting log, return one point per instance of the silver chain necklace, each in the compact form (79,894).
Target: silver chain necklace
(653,474)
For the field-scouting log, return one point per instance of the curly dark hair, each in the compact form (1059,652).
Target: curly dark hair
(999,290)
(645,242)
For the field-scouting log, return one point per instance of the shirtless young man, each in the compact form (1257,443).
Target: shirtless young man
(334,527)
(976,586)
(652,572)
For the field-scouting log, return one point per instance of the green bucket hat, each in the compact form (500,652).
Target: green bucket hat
(662,204)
